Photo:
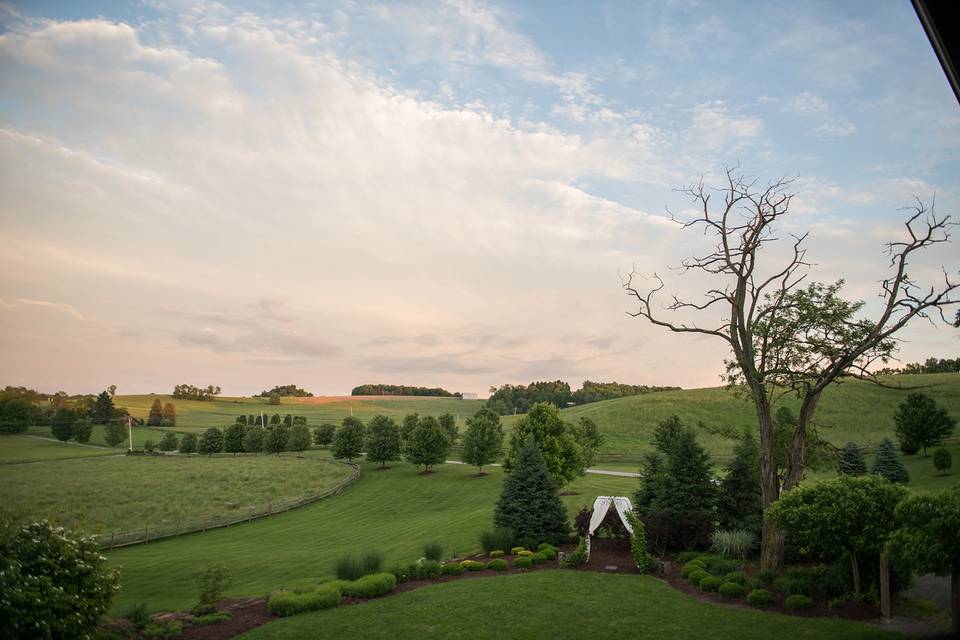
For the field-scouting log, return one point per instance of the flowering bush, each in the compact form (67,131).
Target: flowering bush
(52,581)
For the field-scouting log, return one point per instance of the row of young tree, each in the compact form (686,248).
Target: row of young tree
(509,399)
(260,420)
(20,408)
(190,392)
(930,365)
(162,415)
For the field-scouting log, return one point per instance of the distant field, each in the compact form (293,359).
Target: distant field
(21,448)
(394,511)
(140,435)
(128,493)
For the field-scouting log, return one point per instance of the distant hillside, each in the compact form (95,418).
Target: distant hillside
(855,410)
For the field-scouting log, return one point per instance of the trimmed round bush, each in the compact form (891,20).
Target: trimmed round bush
(538,558)
(522,562)
(760,598)
(451,569)
(767,577)
(497,553)
(499,564)
(686,556)
(371,586)
(549,553)
(473,565)
(710,583)
(690,567)
(697,576)
(545,545)
(703,559)
(288,603)
(516,550)
(721,566)
(736,576)
(426,569)
(731,590)
(524,553)
(798,602)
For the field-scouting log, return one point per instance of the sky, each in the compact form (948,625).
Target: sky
(327,194)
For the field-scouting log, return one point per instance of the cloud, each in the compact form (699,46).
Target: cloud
(805,103)
(264,340)
(714,127)
(41,305)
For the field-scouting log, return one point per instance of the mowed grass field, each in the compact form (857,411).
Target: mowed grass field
(555,604)
(22,448)
(128,493)
(395,511)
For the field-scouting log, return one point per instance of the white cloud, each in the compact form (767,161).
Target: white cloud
(715,127)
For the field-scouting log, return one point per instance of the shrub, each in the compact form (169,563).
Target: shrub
(452,569)
(721,566)
(794,585)
(288,603)
(350,567)
(524,553)
(797,602)
(497,565)
(767,577)
(81,432)
(638,544)
(496,540)
(690,567)
(710,583)
(370,586)
(188,444)
(211,583)
(433,551)
(731,590)
(427,570)
(732,544)
(549,553)
(210,618)
(760,598)
(545,545)
(516,550)
(538,558)
(148,446)
(942,460)
(686,556)
(166,629)
(497,553)
(522,562)
(577,557)
(137,615)
(473,565)
(168,442)
(698,575)
(737,577)
(403,573)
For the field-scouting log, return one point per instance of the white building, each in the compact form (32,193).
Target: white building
(467,395)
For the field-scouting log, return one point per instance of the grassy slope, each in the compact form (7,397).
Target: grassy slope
(140,435)
(924,478)
(20,448)
(554,604)
(394,511)
(127,493)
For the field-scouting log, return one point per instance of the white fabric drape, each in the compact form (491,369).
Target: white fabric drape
(624,506)
(600,507)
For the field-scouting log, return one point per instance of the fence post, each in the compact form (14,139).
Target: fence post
(145,536)
(177,535)
(112,536)
(886,606)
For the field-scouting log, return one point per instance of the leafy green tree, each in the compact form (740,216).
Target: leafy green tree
(850,462)
(82,432)
(483,438)
(588,436)
(410,422)
(530,503)
(168,442)
(323,435)
(921,423)
(242,420)
(54,582)
(543,427)
(429,443)
(16,414)
(299,438)
(275,419)
(382,442)
(888,464)
(188,443)
(253,439)
(114,433)
(348,439)
(233,439)
(848,514)
(102,409)
(942,460)
(738,503)
(274,398)
(211,442)
(449,424)
(276,439)
(288,420)
(928,538)
(155,417)
(169,415)
(62,426)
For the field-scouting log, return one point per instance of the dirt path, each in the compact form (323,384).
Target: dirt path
(599,472)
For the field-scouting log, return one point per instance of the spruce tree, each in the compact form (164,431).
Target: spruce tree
(887,464)
(169,415)
(382,442)
(102,409)
(653,474)
(348,439)
(690,486)
(155,417)
(850,462)
(233,439)
(739,504)
(530,503)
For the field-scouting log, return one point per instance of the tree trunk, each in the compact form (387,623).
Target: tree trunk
(955,599)
(855,568)
(771,540)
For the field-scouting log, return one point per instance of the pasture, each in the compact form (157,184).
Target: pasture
(24,448)
(555,604)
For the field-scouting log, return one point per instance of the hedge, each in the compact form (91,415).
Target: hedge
(288,603)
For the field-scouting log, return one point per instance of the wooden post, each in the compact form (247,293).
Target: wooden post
(886,605)
(145,537)
(177,534)
(112,537)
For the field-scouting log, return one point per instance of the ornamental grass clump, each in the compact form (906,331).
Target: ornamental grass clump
(733,544)
(433,551)
(497,539)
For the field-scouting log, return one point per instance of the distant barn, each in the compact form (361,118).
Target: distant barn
(467,395)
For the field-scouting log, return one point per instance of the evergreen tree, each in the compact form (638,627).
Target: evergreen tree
(850,462)
(211,442)
(82,432)
(530,504)
(653,475)
(102,409)
(288,420)
(887,464)
(168,442)
(348,439)
(169,415)
(62,426)
(690,486)
(429,443)
(483,439)
(188,443)
(253,439)
(258,420)
(323,435)
(299,438)
(155,417)
(382,442)
(942,460)
(114,433)
(233,439)
(921,423)
(739,504)
(667,433)
(449,424)
(275,419)
(276,438)
(242,420)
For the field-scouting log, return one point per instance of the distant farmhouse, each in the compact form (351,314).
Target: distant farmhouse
(467,395)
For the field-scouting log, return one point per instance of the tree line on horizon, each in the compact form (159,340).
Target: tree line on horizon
(508,399)
(401,390)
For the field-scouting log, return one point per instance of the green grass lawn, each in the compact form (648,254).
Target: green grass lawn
(555,604)
(107,494)
(20,448)
(394,511)
(140,435)
(924,478)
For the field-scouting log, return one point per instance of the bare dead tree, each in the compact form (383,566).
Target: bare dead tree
(786,338)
